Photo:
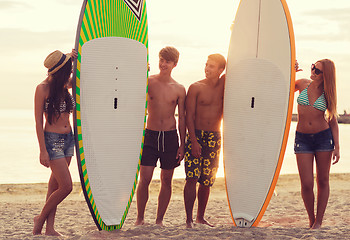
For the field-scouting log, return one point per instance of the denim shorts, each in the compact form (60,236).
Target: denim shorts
(59,145)
(316,142)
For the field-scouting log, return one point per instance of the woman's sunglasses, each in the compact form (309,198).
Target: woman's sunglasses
(314,68)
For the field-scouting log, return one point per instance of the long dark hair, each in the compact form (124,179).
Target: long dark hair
(58,92)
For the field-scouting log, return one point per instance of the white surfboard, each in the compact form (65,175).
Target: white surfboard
(110,90)
(258,102)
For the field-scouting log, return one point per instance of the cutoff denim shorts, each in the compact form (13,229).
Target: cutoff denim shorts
(59,145)
(316,142)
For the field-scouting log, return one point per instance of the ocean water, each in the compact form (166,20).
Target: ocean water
(19,152)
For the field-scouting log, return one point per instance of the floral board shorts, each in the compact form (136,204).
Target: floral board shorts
(205,168)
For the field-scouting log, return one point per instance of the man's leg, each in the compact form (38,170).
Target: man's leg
(203,197)
(146,173)
(189,199)
(166,177)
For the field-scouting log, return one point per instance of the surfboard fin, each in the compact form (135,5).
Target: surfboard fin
(243,220)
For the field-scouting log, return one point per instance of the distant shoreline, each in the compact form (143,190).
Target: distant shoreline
(343,118)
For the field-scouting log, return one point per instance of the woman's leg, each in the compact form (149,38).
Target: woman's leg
(305,167)
(323,164)
(60,171)
(50,221)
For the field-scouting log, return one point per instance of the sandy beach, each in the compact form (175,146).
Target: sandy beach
(285,218)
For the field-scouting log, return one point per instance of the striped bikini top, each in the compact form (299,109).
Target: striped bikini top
(319,104)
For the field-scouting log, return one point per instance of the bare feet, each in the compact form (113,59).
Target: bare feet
(316,225)
(203,221)
(311,222)
(52,232)
(159,223)
(189,224)
(37,228)
(139,222)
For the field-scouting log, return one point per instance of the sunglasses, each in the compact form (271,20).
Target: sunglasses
(314,68)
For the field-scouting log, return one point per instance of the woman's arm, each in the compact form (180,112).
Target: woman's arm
(74,55)
(39,100)
(333,124)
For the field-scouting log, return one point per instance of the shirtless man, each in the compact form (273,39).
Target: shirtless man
(204,109)
(161,139)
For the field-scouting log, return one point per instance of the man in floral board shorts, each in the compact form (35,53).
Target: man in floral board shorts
(204,109)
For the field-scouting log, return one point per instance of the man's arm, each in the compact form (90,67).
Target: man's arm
(181,123)
(191,102)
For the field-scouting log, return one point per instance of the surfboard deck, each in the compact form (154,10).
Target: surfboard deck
(110,89)
(258,102)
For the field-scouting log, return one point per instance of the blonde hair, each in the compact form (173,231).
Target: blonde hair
(329,85)
(218,58)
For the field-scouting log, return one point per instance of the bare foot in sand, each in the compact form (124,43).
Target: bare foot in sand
(189,224)
(159,223)
(311,222)
(52,232)
(316,225)
(37,228)
(139,222)
(203,221)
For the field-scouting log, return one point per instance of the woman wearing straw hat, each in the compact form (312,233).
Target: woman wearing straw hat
(55,137)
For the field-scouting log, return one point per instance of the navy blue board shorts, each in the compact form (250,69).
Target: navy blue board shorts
(315,142)
(161,145)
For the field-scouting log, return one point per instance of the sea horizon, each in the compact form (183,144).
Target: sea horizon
(20,152)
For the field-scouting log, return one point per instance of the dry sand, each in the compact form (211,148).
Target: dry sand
(285,218)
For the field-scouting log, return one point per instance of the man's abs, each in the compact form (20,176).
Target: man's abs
(161,124)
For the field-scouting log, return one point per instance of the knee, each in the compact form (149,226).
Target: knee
(191,183)
(144,182)
(166,181)
(67,188)
(307,186)
(323,183)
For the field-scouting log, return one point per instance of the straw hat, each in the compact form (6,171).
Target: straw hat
(55,60)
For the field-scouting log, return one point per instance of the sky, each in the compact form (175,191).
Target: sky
(30,30)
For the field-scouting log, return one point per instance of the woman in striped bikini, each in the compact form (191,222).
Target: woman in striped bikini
(317,135)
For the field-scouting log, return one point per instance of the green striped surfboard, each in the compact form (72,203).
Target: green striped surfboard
(110,88)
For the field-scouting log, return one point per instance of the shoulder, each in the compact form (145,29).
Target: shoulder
(43,87)
(152,78)
(195,88)
(197,85)
(302,83)
(41,91)
(179,86)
